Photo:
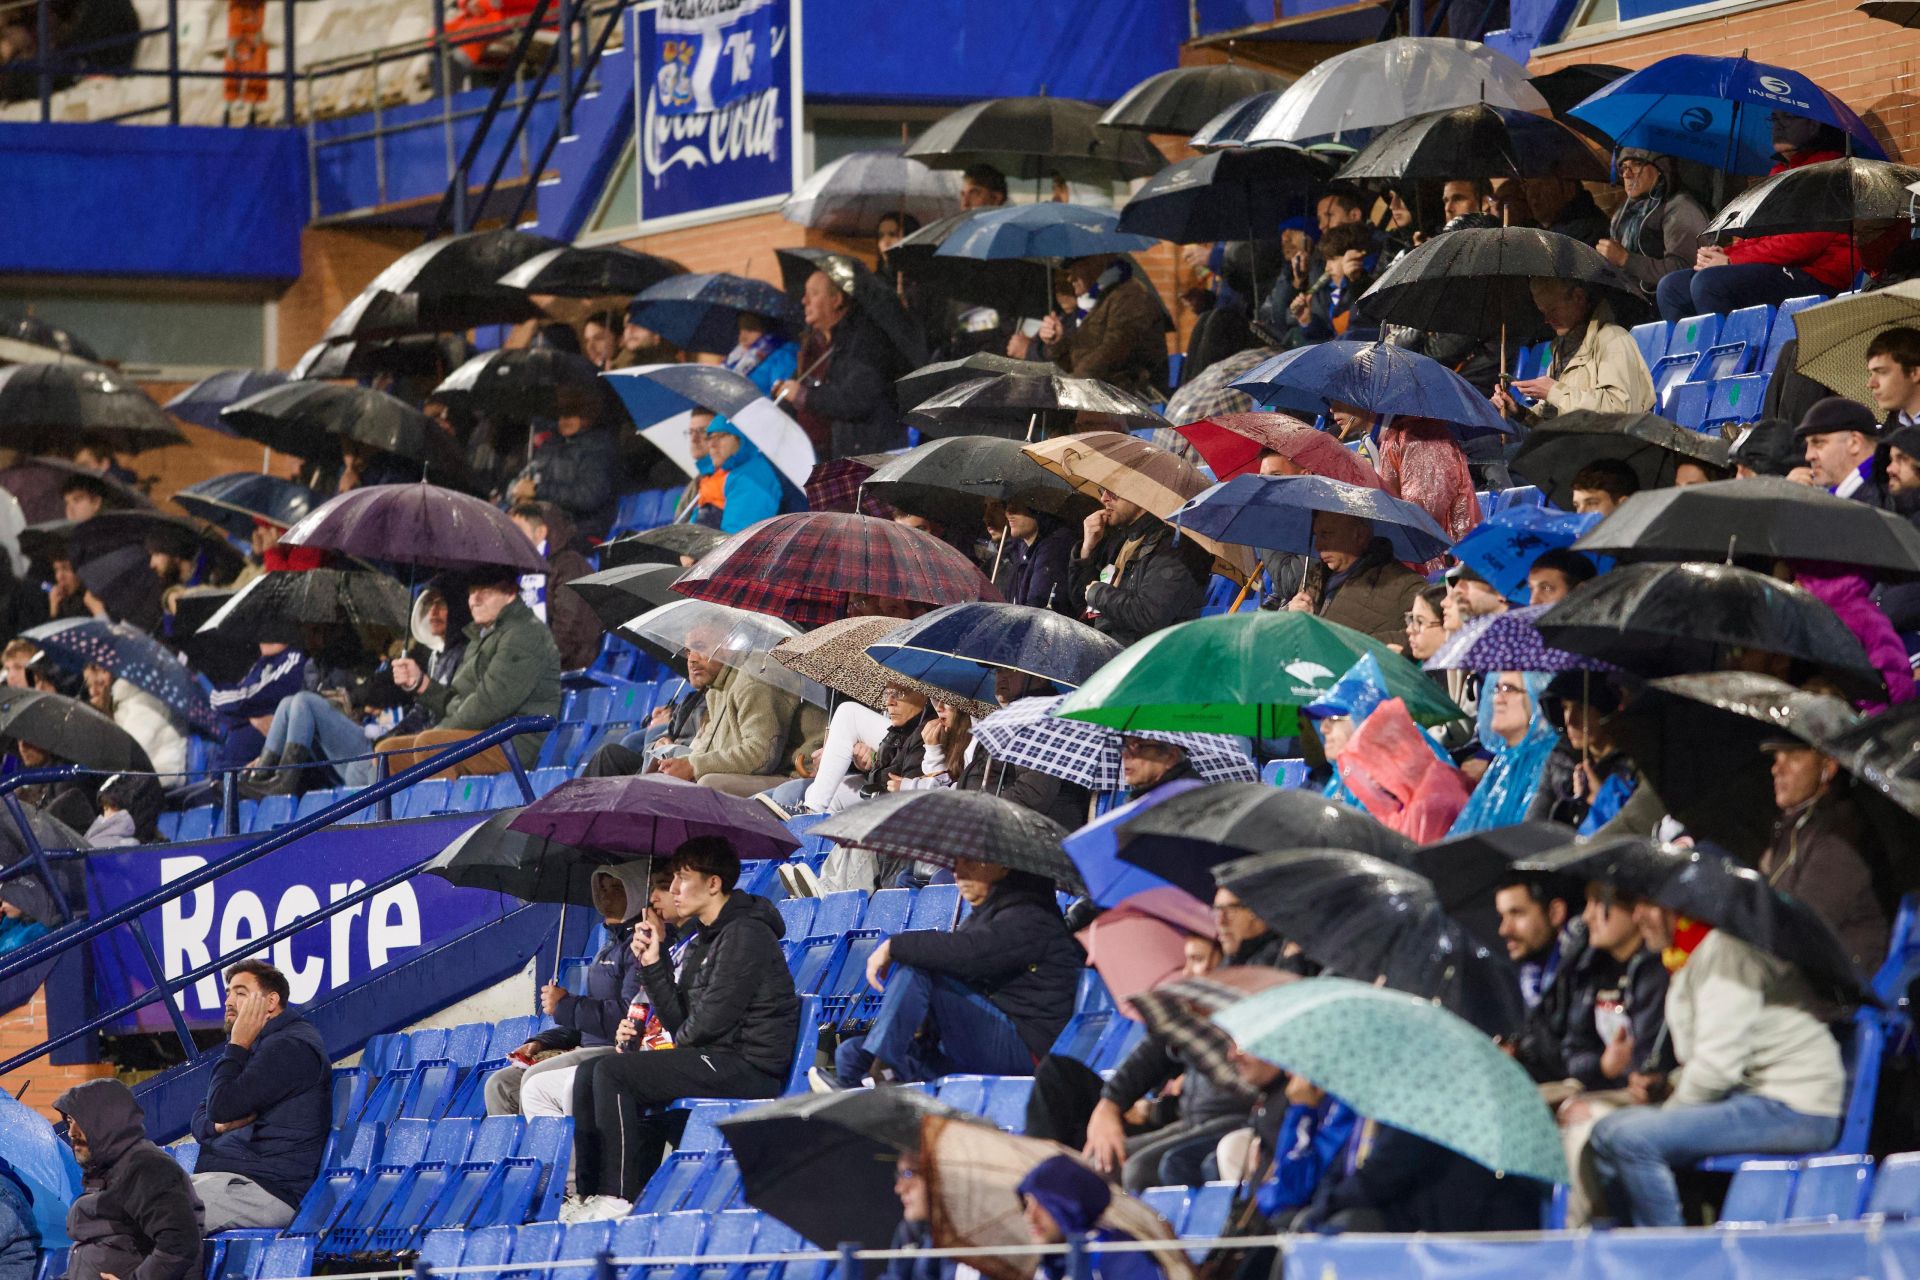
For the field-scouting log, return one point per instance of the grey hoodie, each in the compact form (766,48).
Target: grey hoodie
(137,1216)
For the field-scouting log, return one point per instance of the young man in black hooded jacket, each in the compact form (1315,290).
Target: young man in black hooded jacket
(137,1217)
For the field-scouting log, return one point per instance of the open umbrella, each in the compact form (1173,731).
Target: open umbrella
(1032,138)
(87,541)
(1555,451)
(737,639)
(1212,393)
(1901,13)
(1230,126)
(848,196)
(527,382)
(875,298)
(238,500)
(46,408)
(1026,735)
(954,478)
(202,402)
(702,312)
(417,524)
(69,730)
(311,419)
(659,396)
(1378,377)
(1566,87)
(1675,619)
(930,379)
(445,284)
(1503,547)
(131,655)
(1095,848)
(1507,641)
(1007,404)
(38,484)
(1238,194)
(43,1164)
(1180,1014)
(1834,195)
(1478,141)
(1275,513)
(615,595)
(420,355)
(492,856)
(33,330)
(963,647)
(837,485)
(1467,870)
(1009,286)
(1386,1054)
(1834,336)
(1043,232)
(806,567)
(604,271)
(648,817)
(1185,98)
(1242,673)
(275,605)
(1232,444)
(664,545)
(835,655)
(941,826)
(1476,281)
(1384,83)
(1140,942)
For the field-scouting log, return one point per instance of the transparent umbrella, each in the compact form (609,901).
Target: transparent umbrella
(733,637)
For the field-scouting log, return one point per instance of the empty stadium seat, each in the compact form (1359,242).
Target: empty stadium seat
(1783,330)
(797,914)
(534,1246)
(285,1259)
(1006,1102)
(1690,339)
(1735,400)
(197,823)
(936,906)
(1760,1192)
(1831,1189)
(839,912)
(1903,953)
(1284,773)
(1207,1210)
(1652,339)
(1896,1187)
(1686,403)
(1169,1202)
(1739,346)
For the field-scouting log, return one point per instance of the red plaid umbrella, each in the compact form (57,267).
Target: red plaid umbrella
(835,484)
(804,566)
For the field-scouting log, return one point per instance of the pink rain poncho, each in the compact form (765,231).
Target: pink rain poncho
(1419,460)
(1394,770)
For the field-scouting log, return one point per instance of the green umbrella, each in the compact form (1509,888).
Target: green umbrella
(1244,673)
(1405,1062)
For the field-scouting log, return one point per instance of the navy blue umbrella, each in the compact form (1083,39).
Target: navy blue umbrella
(1716,111)
(236,500)
(1237,194)
(1051,230)
(963,646)
(702,312)
(1276,513)
(1231,127)
(133,656)
(202,402)
(1377,377)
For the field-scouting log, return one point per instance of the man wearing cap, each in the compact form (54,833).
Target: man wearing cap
(1656,230)
(1839,436)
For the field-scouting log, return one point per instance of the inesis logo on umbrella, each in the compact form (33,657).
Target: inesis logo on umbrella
(1776,89)
(1696,119)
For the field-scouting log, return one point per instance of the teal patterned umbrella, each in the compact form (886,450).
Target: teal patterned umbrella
(1405,1062)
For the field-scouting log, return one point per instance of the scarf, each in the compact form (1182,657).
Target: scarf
(743,360)
(533,588)
(1633,216)
(1117,274)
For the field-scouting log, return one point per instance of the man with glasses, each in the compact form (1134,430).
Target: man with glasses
(1146,764)
(1656,230)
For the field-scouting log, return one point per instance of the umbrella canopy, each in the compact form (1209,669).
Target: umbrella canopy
(1141,942)
(1385,1053)
(1007,404)
(1180,1013)
(930,379)
(1759,520)
(836,485)
(605,271)
(1242,673)
(31,329)
(702,312)
(1507,641)
(88,541)
(615,595)
(649,817)
(1010,286)
(417,524)
(1095,848)
(445,284)
(835,655)
(1476,281)
(1186,98)
(1049,230)
(1467,870)
(132,655)
(43,1164)
(664,545)
(1675,619)
(1716,111)
(953,479)
(45,408)
(1880,753)
(1230,126)
(493,856)
(963,647)
(1183,839)
(311,419)
(1232,443)
(1478,141)
(734,637)
(875,298)
(1834,336)
(1237,194)
(1555,451)
(202,402)
(943,826)
(1833,195)
(528,382)
(1276,513)
(1566,87)
(1384,83)
(69,730)
(1503,547)
(658,396)
(807,566)
(240,499)
(37,484)
(849,196)
(1032,138)
(1027,735)
(1901,13)
(274,606)
(420,355)
(849,1140)
(1144,474)
(1377,377)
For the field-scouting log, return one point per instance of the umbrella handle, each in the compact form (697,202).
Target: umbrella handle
(1257,575)
(818,361)
(999,547)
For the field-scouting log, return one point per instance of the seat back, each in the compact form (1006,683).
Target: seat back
(1169,1202)
(1738,347)
(798,913)
(1896,1187)
(1686,404)
(284,1259)
(1903,952)
(450,1140)
(679,1235)
(964,1093)
(1006,1102)
(702,1132)
(1735,400)
(497,1138)
(1207,1209)
(549,1139)
(935,907)
(534,1246)
(1652,339)
(1831,1189)
(1760,1192)
(731,1232)
(1783,330)
(1080,1038)
(888,911)
(839,912)
(487,1246)
(406,1142)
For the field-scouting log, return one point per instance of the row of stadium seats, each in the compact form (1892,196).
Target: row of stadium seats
(1825,1189)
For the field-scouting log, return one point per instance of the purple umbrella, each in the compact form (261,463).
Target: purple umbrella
(418,524)
(651,817)
(1508,642)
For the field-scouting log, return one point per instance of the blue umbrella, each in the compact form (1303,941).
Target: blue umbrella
(702,312)
(1041,231)
(1504,546)
(202,402)
(133,656)
(1380,378)
(1716,111)
(1508,642)
(1275,513)
(236,500)
(41,1165)
(1095,850)
(963,646)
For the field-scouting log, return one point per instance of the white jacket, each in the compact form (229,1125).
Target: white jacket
(151,723)
(1743,1021)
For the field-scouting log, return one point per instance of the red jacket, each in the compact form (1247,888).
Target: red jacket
(1827,256)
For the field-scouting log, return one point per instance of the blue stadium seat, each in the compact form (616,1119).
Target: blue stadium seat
(1080,1038)
(936,906)
(316,800)
(703,1127)
(1520,495)
(1169,1202)
(582,1240)
(1903,953)
(443,1248)
(1121,1035)
(1691,338)
(679,1235)
(798,915)
(450,1140)
(1760,1192)
(633,1235)
(349,1094)
(467,1043)
(806,1045)
(497,1138)
(557,751)
(1006,1103)
(847,985)
(1207,1209)
(1863,1053)
(284,1259)
(839,912)
(630,703)
(1735,400)
(197,823)
(1686,404)
(888,911)
(1091,992)
(549,1139)
(1737,350)
(534,1246)
(1652,339)
(545,780)
(963,1093)
(676,1179)
(430,1092)
(1831,1189)
(1783,328)
(509,1034)
(185,1154)
(423,798)
(1284,773)
(719,1186)
(487,1247)
(1896,1187)
(169,825)
(813,962)
(273,811)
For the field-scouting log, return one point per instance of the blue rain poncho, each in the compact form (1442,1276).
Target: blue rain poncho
(1506,790)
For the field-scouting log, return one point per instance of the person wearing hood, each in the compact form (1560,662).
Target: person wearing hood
(130,805)
(1366,588)
(738,484)
(137,1217)
(1133,574)
(1063,1199)
(246,707)
(989,997)
(576,629)
(1586,779)
(26,911)
(1595,363)
(733,1015)
(1656,230)
(263,1125)
(1034,564)
(1849,592)
(1515,730)
(620,893)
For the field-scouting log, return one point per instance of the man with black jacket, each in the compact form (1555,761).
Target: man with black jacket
(733,1016)
(844,396)
(263,1125)
(1612,992)
(989,997)
(137,1217)
(1132,576)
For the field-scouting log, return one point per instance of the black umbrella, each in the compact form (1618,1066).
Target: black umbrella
(953,479)
(1182,839)
(1475,282)
(940,826)
(48,408)
(221,659)
(493,856)
(1186,98)
(70,730)
(446,284)
(846,1143)
(236,500)
(120,578)
(1478,141)
(1833,195)
(273,603)
(1009,402)
(1365,918)
(37,483)
(1034,138)
(619,595)
(421,355)
(874,297)
(88,541)
(528,382)
(1467,870)
(202,402)
(1901,13)
(603,272)
(310,419)
(662,546)
(1679,619)
(1555,451)
(929,380)
(32,329)
(1010,286)
(1758,520)
(1238,194)
(702,312)
(1231,127)
(1574,83)
(1880,753)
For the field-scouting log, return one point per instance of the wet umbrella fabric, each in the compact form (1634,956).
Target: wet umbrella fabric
(835,656)
(952,479)
(202,402)
(418,524)
(602,272)
(1476,282)
(702,312)
(43,1165)
(1238,194)
(1503,547)
(1011,286)
(37,332)
(1231,125)
(929,380)
(1276,513)
(1478,141)
(237,500)
(618,594)
(1378,377)
(1566,87)
(90,540)
(1834,195)
(1467,870)
(1382,84)
(1095,850)
(1834,336)
(1050,230)
(1033,138)
(37,484)
(1140,942)
(445,284)
(1555,451)
(271,604)
(875,298)
(850,195)
(1009,401)
(1508,641)
(1026,735)
(310,420)
(1180,1013)
(651,817)
(836,485)
(133,656)
(69,730)
(664,545)
(529,382)
(493,856)
(47,408)
(420,355)
(963,647)
(941,826)
(738,639)
(1232,444)
(1184,99)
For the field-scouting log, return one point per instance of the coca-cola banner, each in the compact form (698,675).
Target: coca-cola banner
(719,105)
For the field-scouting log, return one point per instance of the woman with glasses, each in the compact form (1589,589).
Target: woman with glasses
(1517,734)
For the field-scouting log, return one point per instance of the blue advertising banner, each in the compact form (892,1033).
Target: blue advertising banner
(719,105)
(273,891)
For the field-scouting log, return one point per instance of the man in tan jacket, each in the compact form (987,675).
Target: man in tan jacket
(1596,364)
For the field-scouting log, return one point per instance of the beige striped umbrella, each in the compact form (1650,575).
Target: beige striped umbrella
(1144,474)
(1834,336)
(835,655)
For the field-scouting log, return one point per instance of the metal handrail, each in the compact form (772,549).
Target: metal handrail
(454,201)
(571,91)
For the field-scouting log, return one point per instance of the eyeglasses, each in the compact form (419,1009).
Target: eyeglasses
(1509,688)
(1416,622)
(1140,746)
(891,695)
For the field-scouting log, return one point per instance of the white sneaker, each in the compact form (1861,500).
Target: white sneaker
(595,1209)
(779,811)
(820,1082)
(805,877)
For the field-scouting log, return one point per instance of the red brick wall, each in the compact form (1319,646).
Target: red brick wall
(24,1028)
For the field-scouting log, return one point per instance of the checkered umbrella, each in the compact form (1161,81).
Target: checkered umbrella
(133,656)
(1180,1013)
(1211,392)
(1027,735)
(834,485)
(805,567)
(942,826)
